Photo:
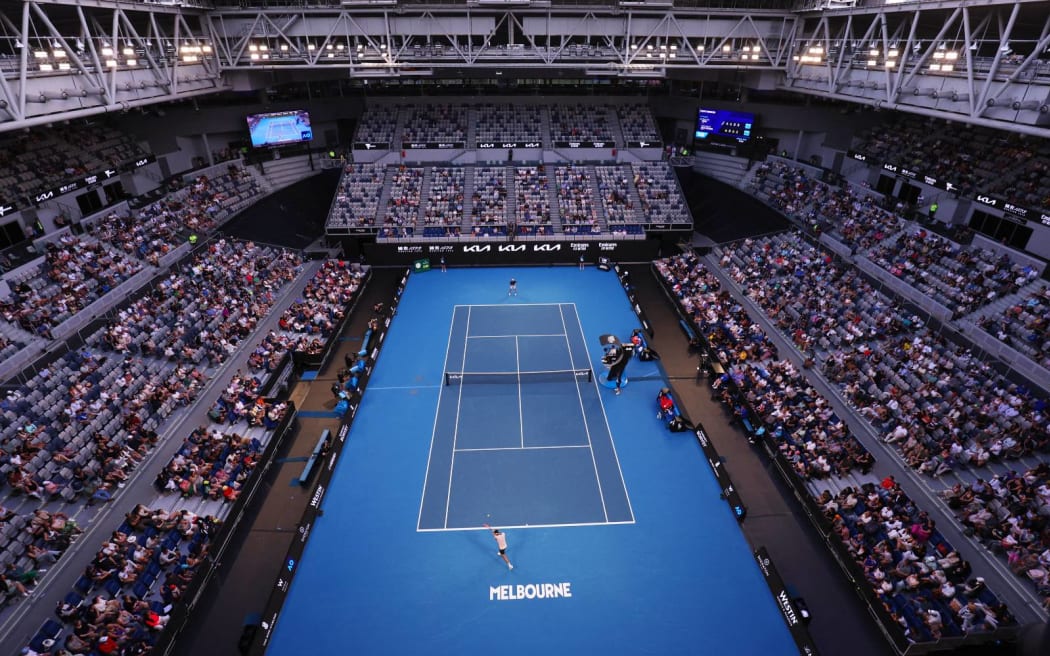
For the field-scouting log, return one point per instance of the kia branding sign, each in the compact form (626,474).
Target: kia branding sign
(488,145)
(583,144)
(434,145)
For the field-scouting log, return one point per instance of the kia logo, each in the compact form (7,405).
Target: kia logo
(511,248)
(546,248)
(477,248)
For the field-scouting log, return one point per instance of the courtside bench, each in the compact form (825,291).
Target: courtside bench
(319,449)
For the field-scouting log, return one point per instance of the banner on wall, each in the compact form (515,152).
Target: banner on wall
(489,145)
(514,252)
(370,145)
(89,180)
(1015,211)
(585,144)
(433,145)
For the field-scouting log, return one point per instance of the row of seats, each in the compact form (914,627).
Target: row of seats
(321,306)
(74,272)
(853,217)
(444,122)
(919,577)
(575,196)
(434,198)
(913,570)
(533,195)
(1008,513)
(201,314)
(37,160)
(975,159)
(128,593)
(445,197)
(357,197)
(505,122)
(661,197)
(963,279)
(406,188)
(942,407)
(1024,324)
(614,186)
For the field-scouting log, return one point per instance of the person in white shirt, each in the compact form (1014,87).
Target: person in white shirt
(501,543)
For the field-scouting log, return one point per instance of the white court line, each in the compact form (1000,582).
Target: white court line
(509,307)
(514,335)
(612,442)
(583,411)
(526,448)
(455,433)
(521,412)
(437,413)
(518,526)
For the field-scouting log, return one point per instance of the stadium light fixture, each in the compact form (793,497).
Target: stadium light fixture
(132,62)
(40,54)
(111,63)
(107,52)
(59,53)
(46,67)
(63,66)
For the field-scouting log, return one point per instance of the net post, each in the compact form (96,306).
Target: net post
(448,379)
(590,376)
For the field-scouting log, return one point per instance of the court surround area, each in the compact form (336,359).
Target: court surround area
(480,411)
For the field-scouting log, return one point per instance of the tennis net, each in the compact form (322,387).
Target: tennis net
(498,377)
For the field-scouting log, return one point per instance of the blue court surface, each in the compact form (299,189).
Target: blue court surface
(480,411)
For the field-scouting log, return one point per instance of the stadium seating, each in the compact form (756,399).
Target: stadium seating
(919,577)
(532,196)
(1023,324)
(661,197)
(134,583)
(637,124)
(502,123)
(444,204)
(429,123)
(357,197)
(577,122)
(402,207)
(974,159)
(38,160)
(576,205)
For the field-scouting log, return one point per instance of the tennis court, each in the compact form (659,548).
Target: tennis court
(521,421)
(480,411)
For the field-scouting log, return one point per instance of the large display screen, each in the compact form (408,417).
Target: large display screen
(280,128)
(724,123)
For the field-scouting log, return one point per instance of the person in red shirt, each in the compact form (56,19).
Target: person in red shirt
(107,645)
